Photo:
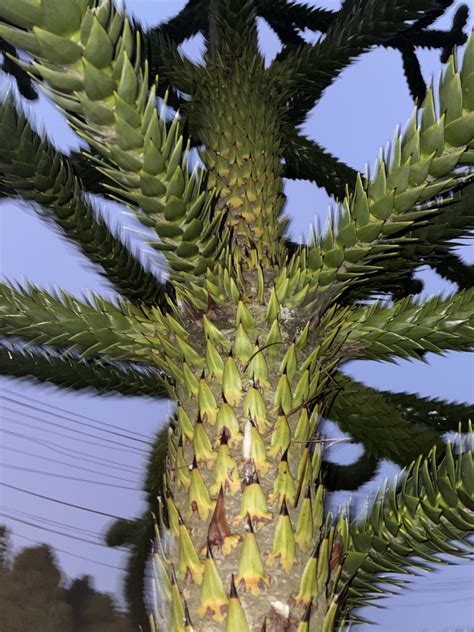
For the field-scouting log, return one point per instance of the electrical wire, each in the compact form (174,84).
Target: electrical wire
(61,502)
(76,467)
(70,478)
(105,442)
(68,418)
(49,521)
(64,535)
(72,412)
(57,447)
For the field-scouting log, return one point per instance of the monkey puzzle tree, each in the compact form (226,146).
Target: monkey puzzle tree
(249,331)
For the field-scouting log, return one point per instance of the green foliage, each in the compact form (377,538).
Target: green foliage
(34,170)
(410,329)
(386,431)
(250,330)
(429,513)
(357,27)
(91,329)
(76,373)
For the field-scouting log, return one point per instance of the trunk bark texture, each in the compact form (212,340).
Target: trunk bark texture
(247,546)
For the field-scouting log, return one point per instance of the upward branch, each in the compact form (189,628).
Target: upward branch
(358,26)
(428,513)
(378,221)
(35,171)
(89,58)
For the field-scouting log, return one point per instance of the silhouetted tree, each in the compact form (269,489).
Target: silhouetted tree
(35,596)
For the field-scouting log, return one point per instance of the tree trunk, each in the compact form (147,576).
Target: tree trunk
(244,498)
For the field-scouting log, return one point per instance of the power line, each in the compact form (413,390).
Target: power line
(71,412)
(106,442)
(67,418)
(49,521)
(62,502)
(70,478)
(57,447)
(77,467)
(80,557)
(61,533)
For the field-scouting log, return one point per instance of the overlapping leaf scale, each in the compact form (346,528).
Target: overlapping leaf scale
(410,329)
(69,371)
(301,16)
(31,168)
(435,413)
(374,220)
(430,512)
(358,26)
(384,430)
(90,60)
(95,328)
(430,244)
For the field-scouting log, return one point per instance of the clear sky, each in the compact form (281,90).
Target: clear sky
(357,115)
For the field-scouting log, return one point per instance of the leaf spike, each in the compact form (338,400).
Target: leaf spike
(213,600)
(244,316)
(273,309)
(322,572)
(190,380)
(212,332)
(225,468)
(254,407)
(173,515)
(177,607)
(184,423)
(242,347)
(219,534)
(251,574)
(253,503)
(189,564)
(303,625)
(258,450)
(183,477)
(231,381)
(214,362)
(284,490)
(305,471)
(283,396)
(307,589)
(202,447)
(304,533)
(274,339)
(206,401)
(284,547)
(330,617)
(236,619)
(257,367)
(303,429)
(199,501)
(227,420)
(281,435)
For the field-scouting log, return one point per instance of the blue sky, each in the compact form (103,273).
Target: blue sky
(357,115)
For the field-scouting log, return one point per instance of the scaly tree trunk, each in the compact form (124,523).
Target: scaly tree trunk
(244,485)
(248,331)
(243,478)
